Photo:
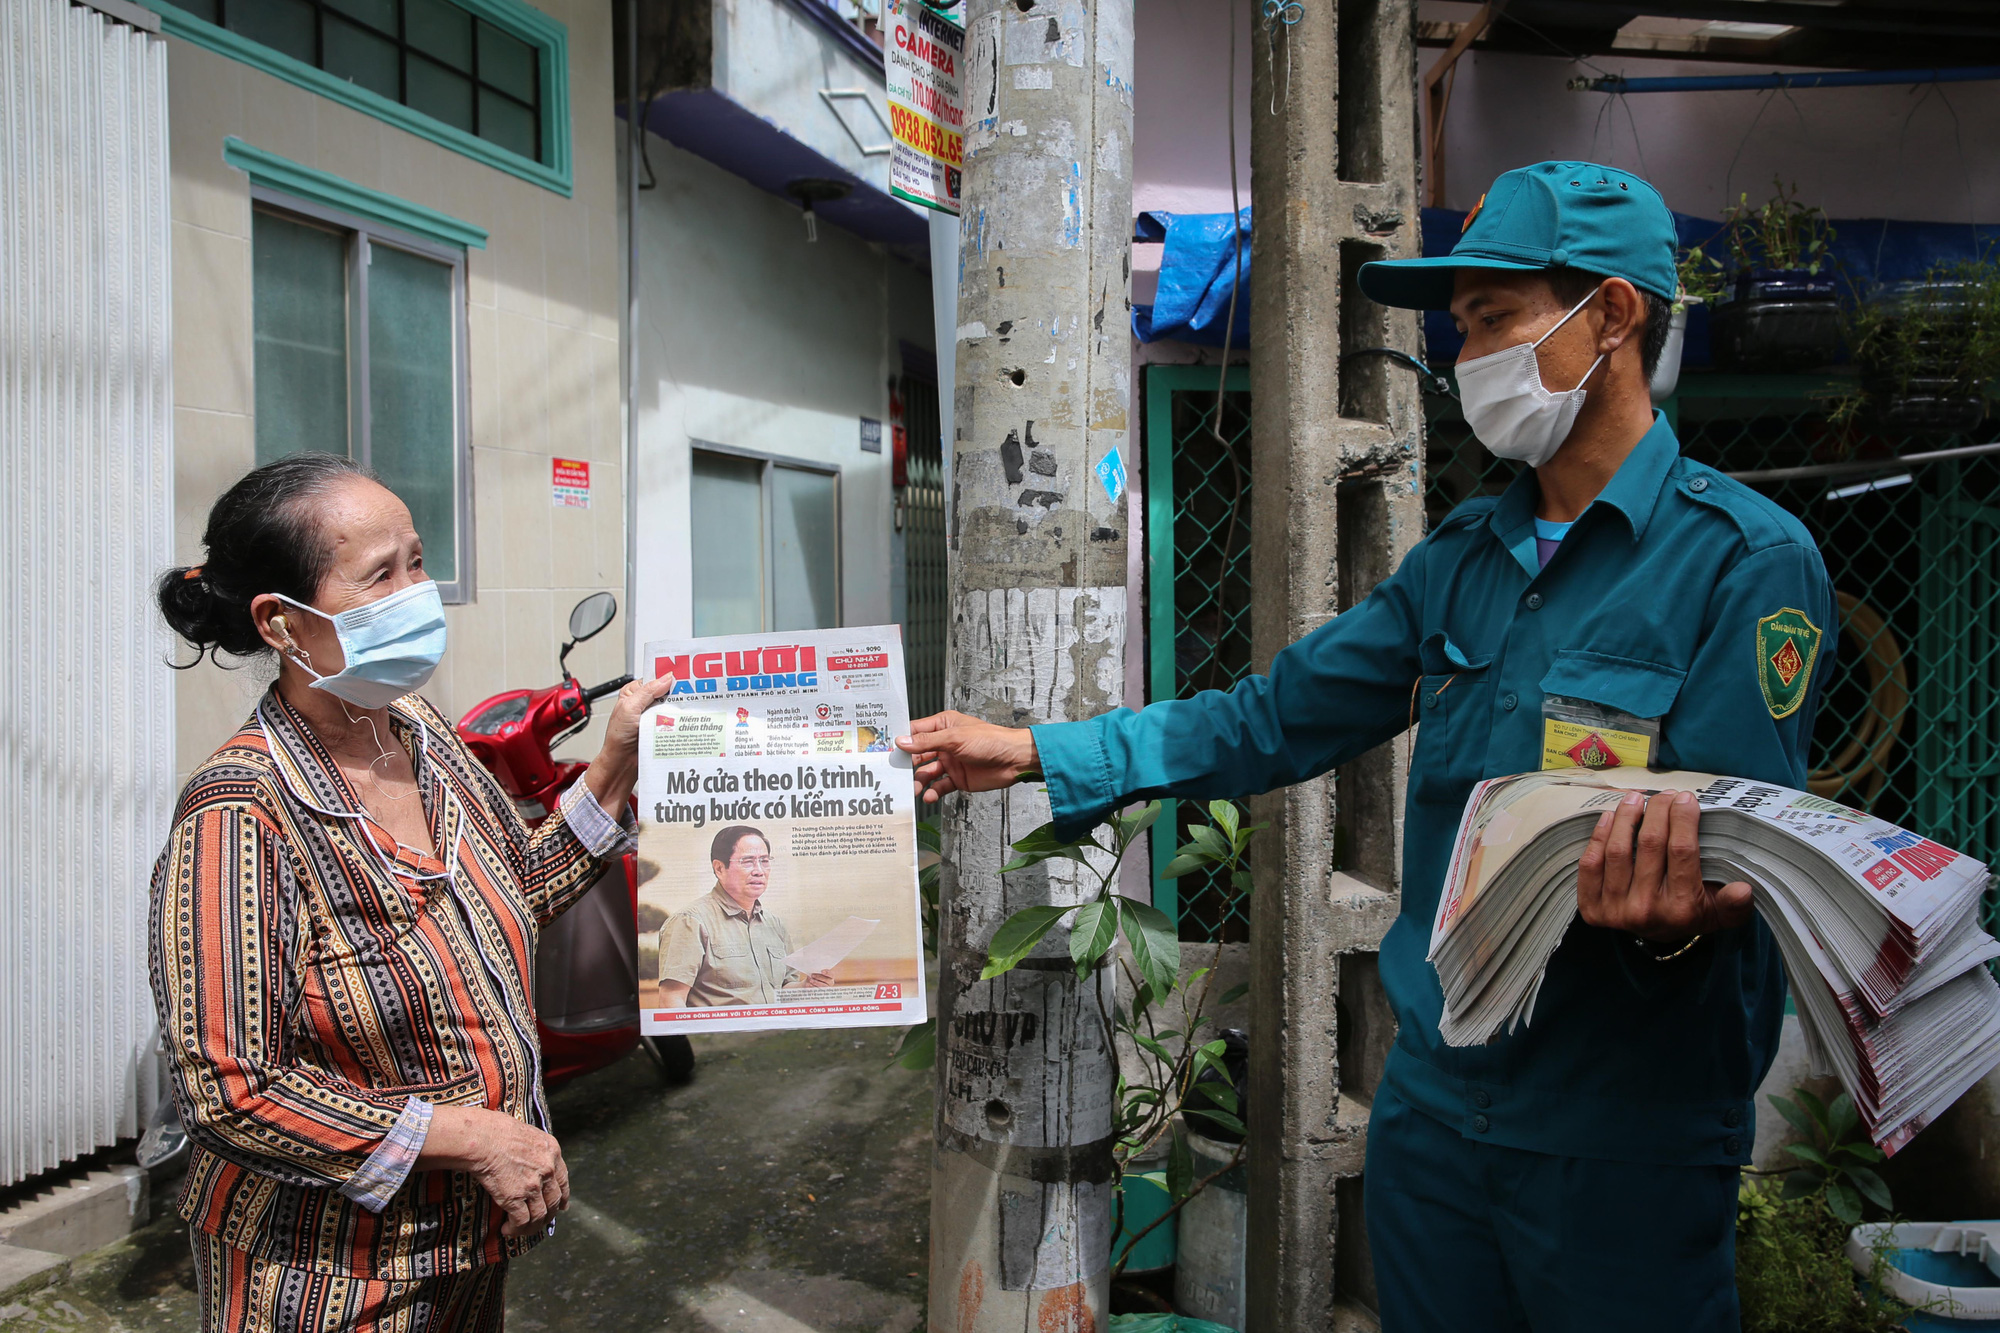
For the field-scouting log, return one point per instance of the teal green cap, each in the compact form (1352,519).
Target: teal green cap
(1551,215)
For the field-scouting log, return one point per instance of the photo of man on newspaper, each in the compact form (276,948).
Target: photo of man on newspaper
(727,949)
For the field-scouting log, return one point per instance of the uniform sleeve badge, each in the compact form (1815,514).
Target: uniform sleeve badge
(1787,648)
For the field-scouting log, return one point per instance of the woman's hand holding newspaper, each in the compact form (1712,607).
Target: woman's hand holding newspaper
(1643,875)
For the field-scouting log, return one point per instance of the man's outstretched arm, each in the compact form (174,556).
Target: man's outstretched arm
(1332,695)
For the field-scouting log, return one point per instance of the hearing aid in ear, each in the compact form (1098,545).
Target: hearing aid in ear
(278,624)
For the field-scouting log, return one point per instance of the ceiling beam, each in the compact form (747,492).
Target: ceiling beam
(1438,81)
(1912,21)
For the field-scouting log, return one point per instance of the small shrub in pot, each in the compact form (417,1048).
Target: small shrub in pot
(1928,350)
(1781,312)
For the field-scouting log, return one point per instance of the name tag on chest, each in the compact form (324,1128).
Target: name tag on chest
(1577,733)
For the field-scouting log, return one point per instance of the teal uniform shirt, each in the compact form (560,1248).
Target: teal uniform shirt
(1650,606)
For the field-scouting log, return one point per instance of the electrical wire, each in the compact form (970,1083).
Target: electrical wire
(1229,325)
(1235,244)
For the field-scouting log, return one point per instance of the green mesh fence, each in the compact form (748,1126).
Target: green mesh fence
(1909,722)
(1198,592)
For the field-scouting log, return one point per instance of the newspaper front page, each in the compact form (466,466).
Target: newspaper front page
(777,836)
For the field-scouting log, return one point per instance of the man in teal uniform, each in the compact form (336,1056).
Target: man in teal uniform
(1618,603)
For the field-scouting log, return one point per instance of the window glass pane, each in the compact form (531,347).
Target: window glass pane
(201,9)
(441,29)
(359,56)
(412,398)
(728,535)
(282,25)
(805,552)
(506,63)
(506,123)
(375,44)
(436,91)
(377,14)
(299,301)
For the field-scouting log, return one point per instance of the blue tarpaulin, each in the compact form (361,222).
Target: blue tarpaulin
(1197,273)
(1197,270)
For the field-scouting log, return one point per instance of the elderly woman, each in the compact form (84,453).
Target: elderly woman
(343,927)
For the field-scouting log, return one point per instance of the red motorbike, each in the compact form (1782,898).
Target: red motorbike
(587,963)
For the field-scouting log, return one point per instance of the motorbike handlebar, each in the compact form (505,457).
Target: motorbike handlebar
(596,692)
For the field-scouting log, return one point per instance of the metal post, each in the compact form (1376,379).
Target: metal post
(635,130)
(1021,1180)
(1337,498)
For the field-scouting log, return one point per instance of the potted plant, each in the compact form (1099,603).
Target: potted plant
(1782,312)
(1700,281)
(1929,349)
(1793,1270)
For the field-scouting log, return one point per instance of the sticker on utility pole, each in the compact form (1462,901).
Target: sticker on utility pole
(569,483)
(1111,471)
(925,62)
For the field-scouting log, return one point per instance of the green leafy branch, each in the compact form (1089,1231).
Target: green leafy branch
(1155,946)
(1188,1078)
(1836,1156)
(1190,1082)
(1702,276)
(1792,1265)
(1780,233)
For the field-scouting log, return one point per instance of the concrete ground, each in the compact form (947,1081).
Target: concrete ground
(787,1190)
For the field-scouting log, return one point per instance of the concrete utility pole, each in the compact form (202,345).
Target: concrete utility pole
(1337,487)
(1021,1182)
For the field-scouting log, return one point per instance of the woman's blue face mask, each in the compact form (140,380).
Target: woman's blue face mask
(391,645)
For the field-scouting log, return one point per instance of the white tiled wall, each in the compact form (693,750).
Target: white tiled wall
(544,301)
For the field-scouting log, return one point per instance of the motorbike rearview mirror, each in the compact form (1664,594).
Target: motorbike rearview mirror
(586,620)
(589,616)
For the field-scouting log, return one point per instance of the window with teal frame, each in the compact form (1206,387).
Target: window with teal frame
(487,78)
(1197,593)
(360,350)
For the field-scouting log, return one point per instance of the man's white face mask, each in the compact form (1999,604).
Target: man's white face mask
(1507,406)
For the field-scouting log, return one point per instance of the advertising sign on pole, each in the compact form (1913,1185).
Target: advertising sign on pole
(925,64)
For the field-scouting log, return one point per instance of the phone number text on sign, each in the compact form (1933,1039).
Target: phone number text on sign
(924,67)
(569,483)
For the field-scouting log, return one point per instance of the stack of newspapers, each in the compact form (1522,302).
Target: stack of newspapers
(1879,927)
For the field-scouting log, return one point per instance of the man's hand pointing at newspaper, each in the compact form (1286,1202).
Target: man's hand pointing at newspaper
(1641,873)
(952,751)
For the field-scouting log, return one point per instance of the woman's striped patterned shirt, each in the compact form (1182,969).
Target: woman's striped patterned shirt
(312,998)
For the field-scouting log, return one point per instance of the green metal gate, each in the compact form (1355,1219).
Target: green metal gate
(1197,589)
(1909,723)
(1957,752)
(923,548)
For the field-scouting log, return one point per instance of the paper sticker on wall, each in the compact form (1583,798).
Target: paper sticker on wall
(569,483)
(1111,471)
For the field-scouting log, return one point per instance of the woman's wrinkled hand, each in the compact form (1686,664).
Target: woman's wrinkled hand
(621,731)
(615,772)
(521,1167)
